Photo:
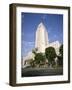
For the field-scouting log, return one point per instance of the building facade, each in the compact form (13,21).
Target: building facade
(41,38)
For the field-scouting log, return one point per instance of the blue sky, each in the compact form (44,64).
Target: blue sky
(29,23)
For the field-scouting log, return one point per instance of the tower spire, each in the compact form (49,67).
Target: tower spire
(41,38)
(42,19)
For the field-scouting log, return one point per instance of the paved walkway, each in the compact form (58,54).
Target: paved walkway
(41,72)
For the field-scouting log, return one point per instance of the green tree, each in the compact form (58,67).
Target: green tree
(32,63)
(50,54)
(61,50)
(60,57)
(39,58)
(35,51)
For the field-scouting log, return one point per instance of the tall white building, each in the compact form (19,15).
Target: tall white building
(41,38)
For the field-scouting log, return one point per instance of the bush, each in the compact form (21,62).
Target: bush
(50,54)
(39,58)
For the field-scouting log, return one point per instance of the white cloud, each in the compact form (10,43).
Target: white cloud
(27,46)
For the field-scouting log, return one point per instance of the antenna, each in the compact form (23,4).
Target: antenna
(43,18)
